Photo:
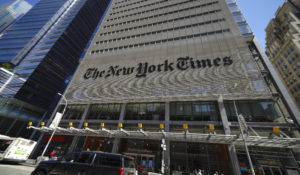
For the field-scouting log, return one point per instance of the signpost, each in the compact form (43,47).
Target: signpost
(164,148)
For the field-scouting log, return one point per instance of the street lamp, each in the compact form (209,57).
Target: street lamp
(55,125)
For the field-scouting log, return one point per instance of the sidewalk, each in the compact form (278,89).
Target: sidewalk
(29,162)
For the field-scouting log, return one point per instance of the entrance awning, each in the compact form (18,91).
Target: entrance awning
(185,136)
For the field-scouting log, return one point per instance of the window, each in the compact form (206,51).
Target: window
(145,111)
(295,67)
(74,112)
(104,112)
(194,111)
(79,158)
(108,160)
(253,111)
(128,163)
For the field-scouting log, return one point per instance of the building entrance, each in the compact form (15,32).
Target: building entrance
(145,162)
(185,158)
(147,154)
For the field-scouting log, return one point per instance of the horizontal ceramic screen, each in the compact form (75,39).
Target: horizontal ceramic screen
(168,73)
(170,51)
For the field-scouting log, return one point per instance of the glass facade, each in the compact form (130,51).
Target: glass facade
(11,12)
(239,18)
(50,65)
(145,111)
(15,115)
(25,33)
(255,111)
(268,161)
(104,112)
(44,49)
(194,111)
(74,112)
(189,157)
(188,65)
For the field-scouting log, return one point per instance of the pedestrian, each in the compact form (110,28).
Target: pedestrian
(52,154)
(199,172)
(204,172)
(216,173)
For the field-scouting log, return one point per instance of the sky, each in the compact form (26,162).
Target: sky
(257,12)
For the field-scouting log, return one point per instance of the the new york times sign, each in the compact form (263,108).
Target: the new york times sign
(143,69)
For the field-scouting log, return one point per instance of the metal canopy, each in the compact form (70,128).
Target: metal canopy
(4,137)
(274,141)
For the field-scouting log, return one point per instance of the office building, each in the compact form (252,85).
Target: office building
(42,51)
(295,3)
(283,47)
(179,63)
(11,12)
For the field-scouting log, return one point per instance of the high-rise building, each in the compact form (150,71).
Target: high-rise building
(283,47)
(167,64)
(296,3)
(11,12)
(42,51)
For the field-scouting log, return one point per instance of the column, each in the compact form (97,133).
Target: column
(234,163)
(167,129)
(117,141)
(76,138)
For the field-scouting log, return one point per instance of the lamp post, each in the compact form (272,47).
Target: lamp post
(55,128)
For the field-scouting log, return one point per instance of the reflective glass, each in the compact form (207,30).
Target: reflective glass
(254,111)
(104,112)
(145,111)
(194,111)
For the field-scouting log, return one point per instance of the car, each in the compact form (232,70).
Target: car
(88,163)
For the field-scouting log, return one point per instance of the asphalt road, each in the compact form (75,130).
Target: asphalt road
(10,169)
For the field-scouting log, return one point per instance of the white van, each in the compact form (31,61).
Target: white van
(15,149)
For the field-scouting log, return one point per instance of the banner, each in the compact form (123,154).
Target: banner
(56,120)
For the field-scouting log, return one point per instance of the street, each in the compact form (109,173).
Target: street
(11,169)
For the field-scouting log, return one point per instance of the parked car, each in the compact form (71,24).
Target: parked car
(88,163)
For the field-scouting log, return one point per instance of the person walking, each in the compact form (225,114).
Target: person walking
(216,173)
(199,172)
(52,154)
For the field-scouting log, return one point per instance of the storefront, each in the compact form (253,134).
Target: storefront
(268,161)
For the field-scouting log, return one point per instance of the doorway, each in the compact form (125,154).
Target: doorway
(145,162)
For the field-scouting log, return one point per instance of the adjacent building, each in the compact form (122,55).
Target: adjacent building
(295,3)
(40,53)
(174,63)
(11,12)
(283,47)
